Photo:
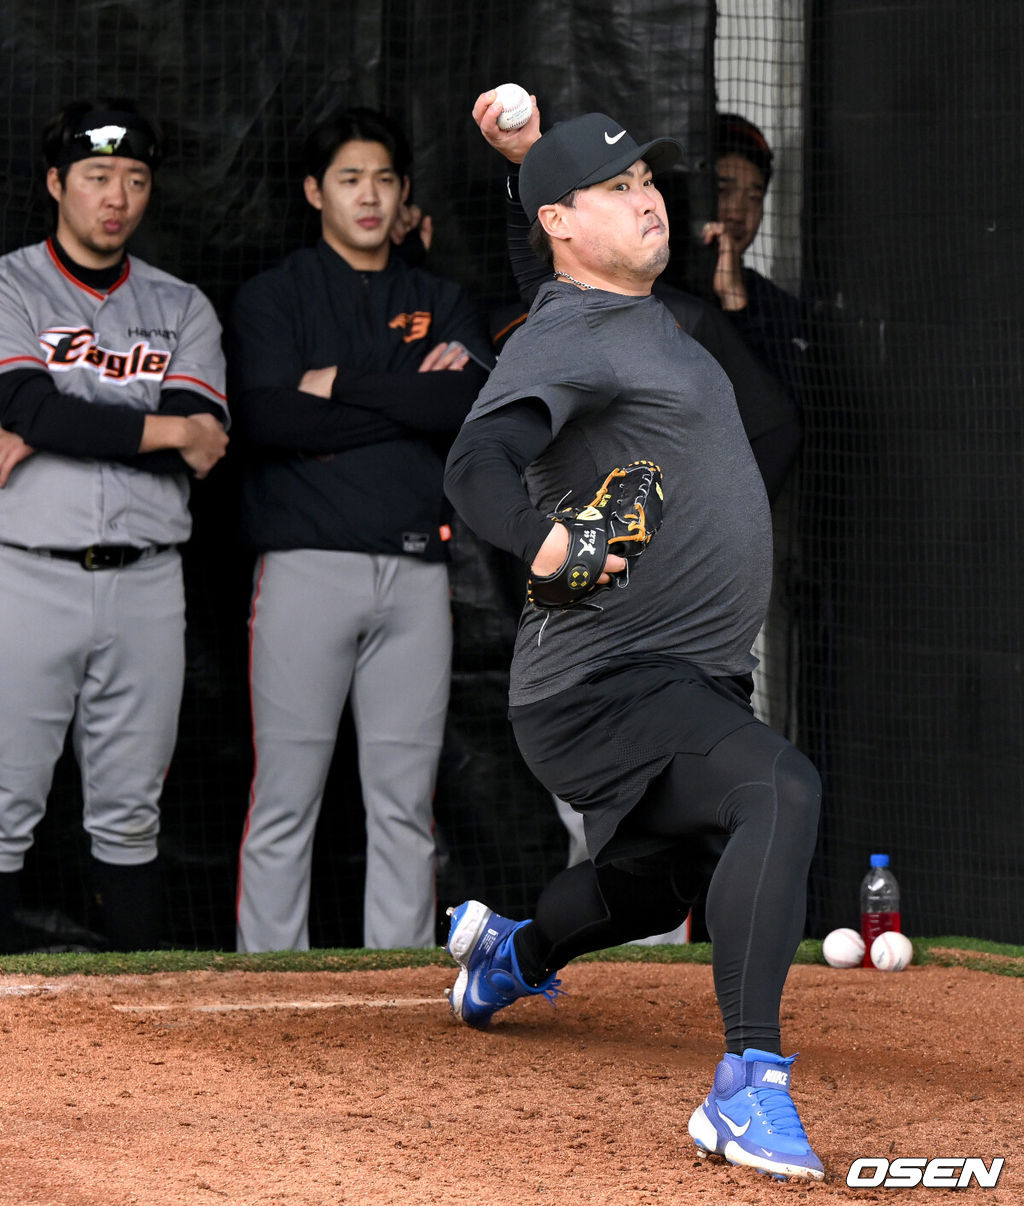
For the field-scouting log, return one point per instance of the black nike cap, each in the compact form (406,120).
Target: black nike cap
(582,151)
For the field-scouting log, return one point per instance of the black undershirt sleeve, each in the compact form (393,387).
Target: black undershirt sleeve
(280,419)
(32,407)
(185,402)
(530,272)
(52,421)
(436,401)
(484,482)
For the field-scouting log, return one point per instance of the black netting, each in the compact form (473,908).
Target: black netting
(893,651)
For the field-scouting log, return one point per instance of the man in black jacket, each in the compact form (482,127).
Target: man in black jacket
(351,372)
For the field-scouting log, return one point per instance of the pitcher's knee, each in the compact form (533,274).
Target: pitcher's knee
(798,790)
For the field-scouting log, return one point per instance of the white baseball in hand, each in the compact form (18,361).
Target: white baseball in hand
(843,948)
(516,106)
(891,951)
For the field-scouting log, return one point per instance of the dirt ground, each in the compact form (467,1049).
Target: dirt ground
(234,1089)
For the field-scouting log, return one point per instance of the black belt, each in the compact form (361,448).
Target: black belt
(98,556)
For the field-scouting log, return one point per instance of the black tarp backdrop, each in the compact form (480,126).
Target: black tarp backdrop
(907,580)
(237,87)
(914,489)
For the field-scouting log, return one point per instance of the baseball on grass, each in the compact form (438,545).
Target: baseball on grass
(843,948)
(891,951)
(516,106)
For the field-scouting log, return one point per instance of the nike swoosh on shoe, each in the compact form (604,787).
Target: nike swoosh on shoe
(738,1131)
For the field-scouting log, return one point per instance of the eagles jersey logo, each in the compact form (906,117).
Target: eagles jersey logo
(415,325)
(68,348)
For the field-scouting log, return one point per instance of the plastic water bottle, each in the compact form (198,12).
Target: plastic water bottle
(879,903)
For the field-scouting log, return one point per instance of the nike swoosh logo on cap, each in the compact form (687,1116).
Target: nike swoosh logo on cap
(738,1131)
(612,141)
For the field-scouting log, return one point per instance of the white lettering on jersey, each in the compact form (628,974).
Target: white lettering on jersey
(68,348)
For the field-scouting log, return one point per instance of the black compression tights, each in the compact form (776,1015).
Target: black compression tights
(761,792)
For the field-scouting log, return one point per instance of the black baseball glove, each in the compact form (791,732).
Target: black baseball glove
(623,516)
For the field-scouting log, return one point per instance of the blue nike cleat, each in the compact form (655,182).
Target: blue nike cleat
(481,941)
(750,1119)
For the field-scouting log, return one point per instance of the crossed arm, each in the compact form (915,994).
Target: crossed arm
(328,412)
(13,450)
(35,415)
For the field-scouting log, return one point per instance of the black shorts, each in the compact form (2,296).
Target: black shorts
(601,743)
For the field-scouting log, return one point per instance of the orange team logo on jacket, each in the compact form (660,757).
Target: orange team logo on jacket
(415,325)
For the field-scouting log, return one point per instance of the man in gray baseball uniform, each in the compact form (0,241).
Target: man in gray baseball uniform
(111,397)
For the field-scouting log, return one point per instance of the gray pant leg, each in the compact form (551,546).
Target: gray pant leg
(127,720)
(308,609)
(106,649)
(45,627)
(400,700)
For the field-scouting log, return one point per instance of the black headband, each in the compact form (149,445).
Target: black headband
(110,132)
(736,135)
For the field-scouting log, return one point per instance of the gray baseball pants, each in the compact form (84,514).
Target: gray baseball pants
(324,624)
(103,652)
